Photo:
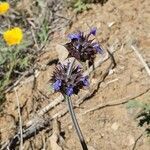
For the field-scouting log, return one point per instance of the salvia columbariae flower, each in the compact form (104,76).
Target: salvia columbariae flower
(68,85)
(82,47)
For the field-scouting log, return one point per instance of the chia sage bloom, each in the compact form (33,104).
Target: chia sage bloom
(13,36)
(82,47)
(68,85)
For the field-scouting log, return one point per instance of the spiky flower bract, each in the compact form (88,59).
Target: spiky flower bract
(82,47)
(68,85)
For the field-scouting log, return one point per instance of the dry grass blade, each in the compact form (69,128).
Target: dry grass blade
(20,120)
(141,59)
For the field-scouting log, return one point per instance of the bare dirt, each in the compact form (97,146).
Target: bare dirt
(120,24)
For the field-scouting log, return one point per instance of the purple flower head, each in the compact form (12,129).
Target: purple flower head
(68,85)
(82,47)
(93,31)
(69,90)
(57,85)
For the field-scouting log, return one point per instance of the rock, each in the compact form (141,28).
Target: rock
(62,52)
(88,139)
(131,140)
(54,144)
(115,126)
(55,136)
(91,148)
(110,24)
(70,127)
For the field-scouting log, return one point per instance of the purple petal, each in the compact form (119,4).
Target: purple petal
(69,91)
(98,48)
(93,31)
(78,46)
(85,81)
(79,68)
(67,66)
(75,36)
(57,85)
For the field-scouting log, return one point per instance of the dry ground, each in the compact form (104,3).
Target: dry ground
(120,24)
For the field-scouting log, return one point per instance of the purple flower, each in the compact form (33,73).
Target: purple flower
(82,47)
(69,90)
(74,36)
(93,31)
(68,84)
(57,85)
(98,48)
(78,46)
(85,81)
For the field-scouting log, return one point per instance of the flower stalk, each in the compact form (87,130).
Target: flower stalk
(69,78)
(72,113)
(75,122)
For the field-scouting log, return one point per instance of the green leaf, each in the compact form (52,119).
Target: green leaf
(23,63)
(134,104)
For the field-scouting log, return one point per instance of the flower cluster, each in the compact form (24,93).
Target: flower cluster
(4,7)
(13,36)
(82,47)
(68,85)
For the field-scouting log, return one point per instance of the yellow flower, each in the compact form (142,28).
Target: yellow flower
(13,36)
(4,7)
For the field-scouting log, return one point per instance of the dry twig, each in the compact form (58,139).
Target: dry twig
(138,138)
(34,38)
(141,59)
(116,102)
(20,120)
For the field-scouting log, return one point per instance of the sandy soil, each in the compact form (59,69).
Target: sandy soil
(120,24)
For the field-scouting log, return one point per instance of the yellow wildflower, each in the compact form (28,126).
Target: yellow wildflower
(4,7)
(13,36)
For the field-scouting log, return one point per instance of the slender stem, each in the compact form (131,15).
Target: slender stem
(72,113)
(75,122)
(20,121)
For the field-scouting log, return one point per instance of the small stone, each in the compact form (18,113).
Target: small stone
(88,139)
(115,126)
(62,52)
(70,127)
(131,140)
(91,148)
(111,71)
(110,24)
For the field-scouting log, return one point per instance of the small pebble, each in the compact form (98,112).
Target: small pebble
(88,139)
(131,140)
(115,126)
(70,127)
(91,148)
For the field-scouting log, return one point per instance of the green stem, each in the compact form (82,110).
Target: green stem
(13,52)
